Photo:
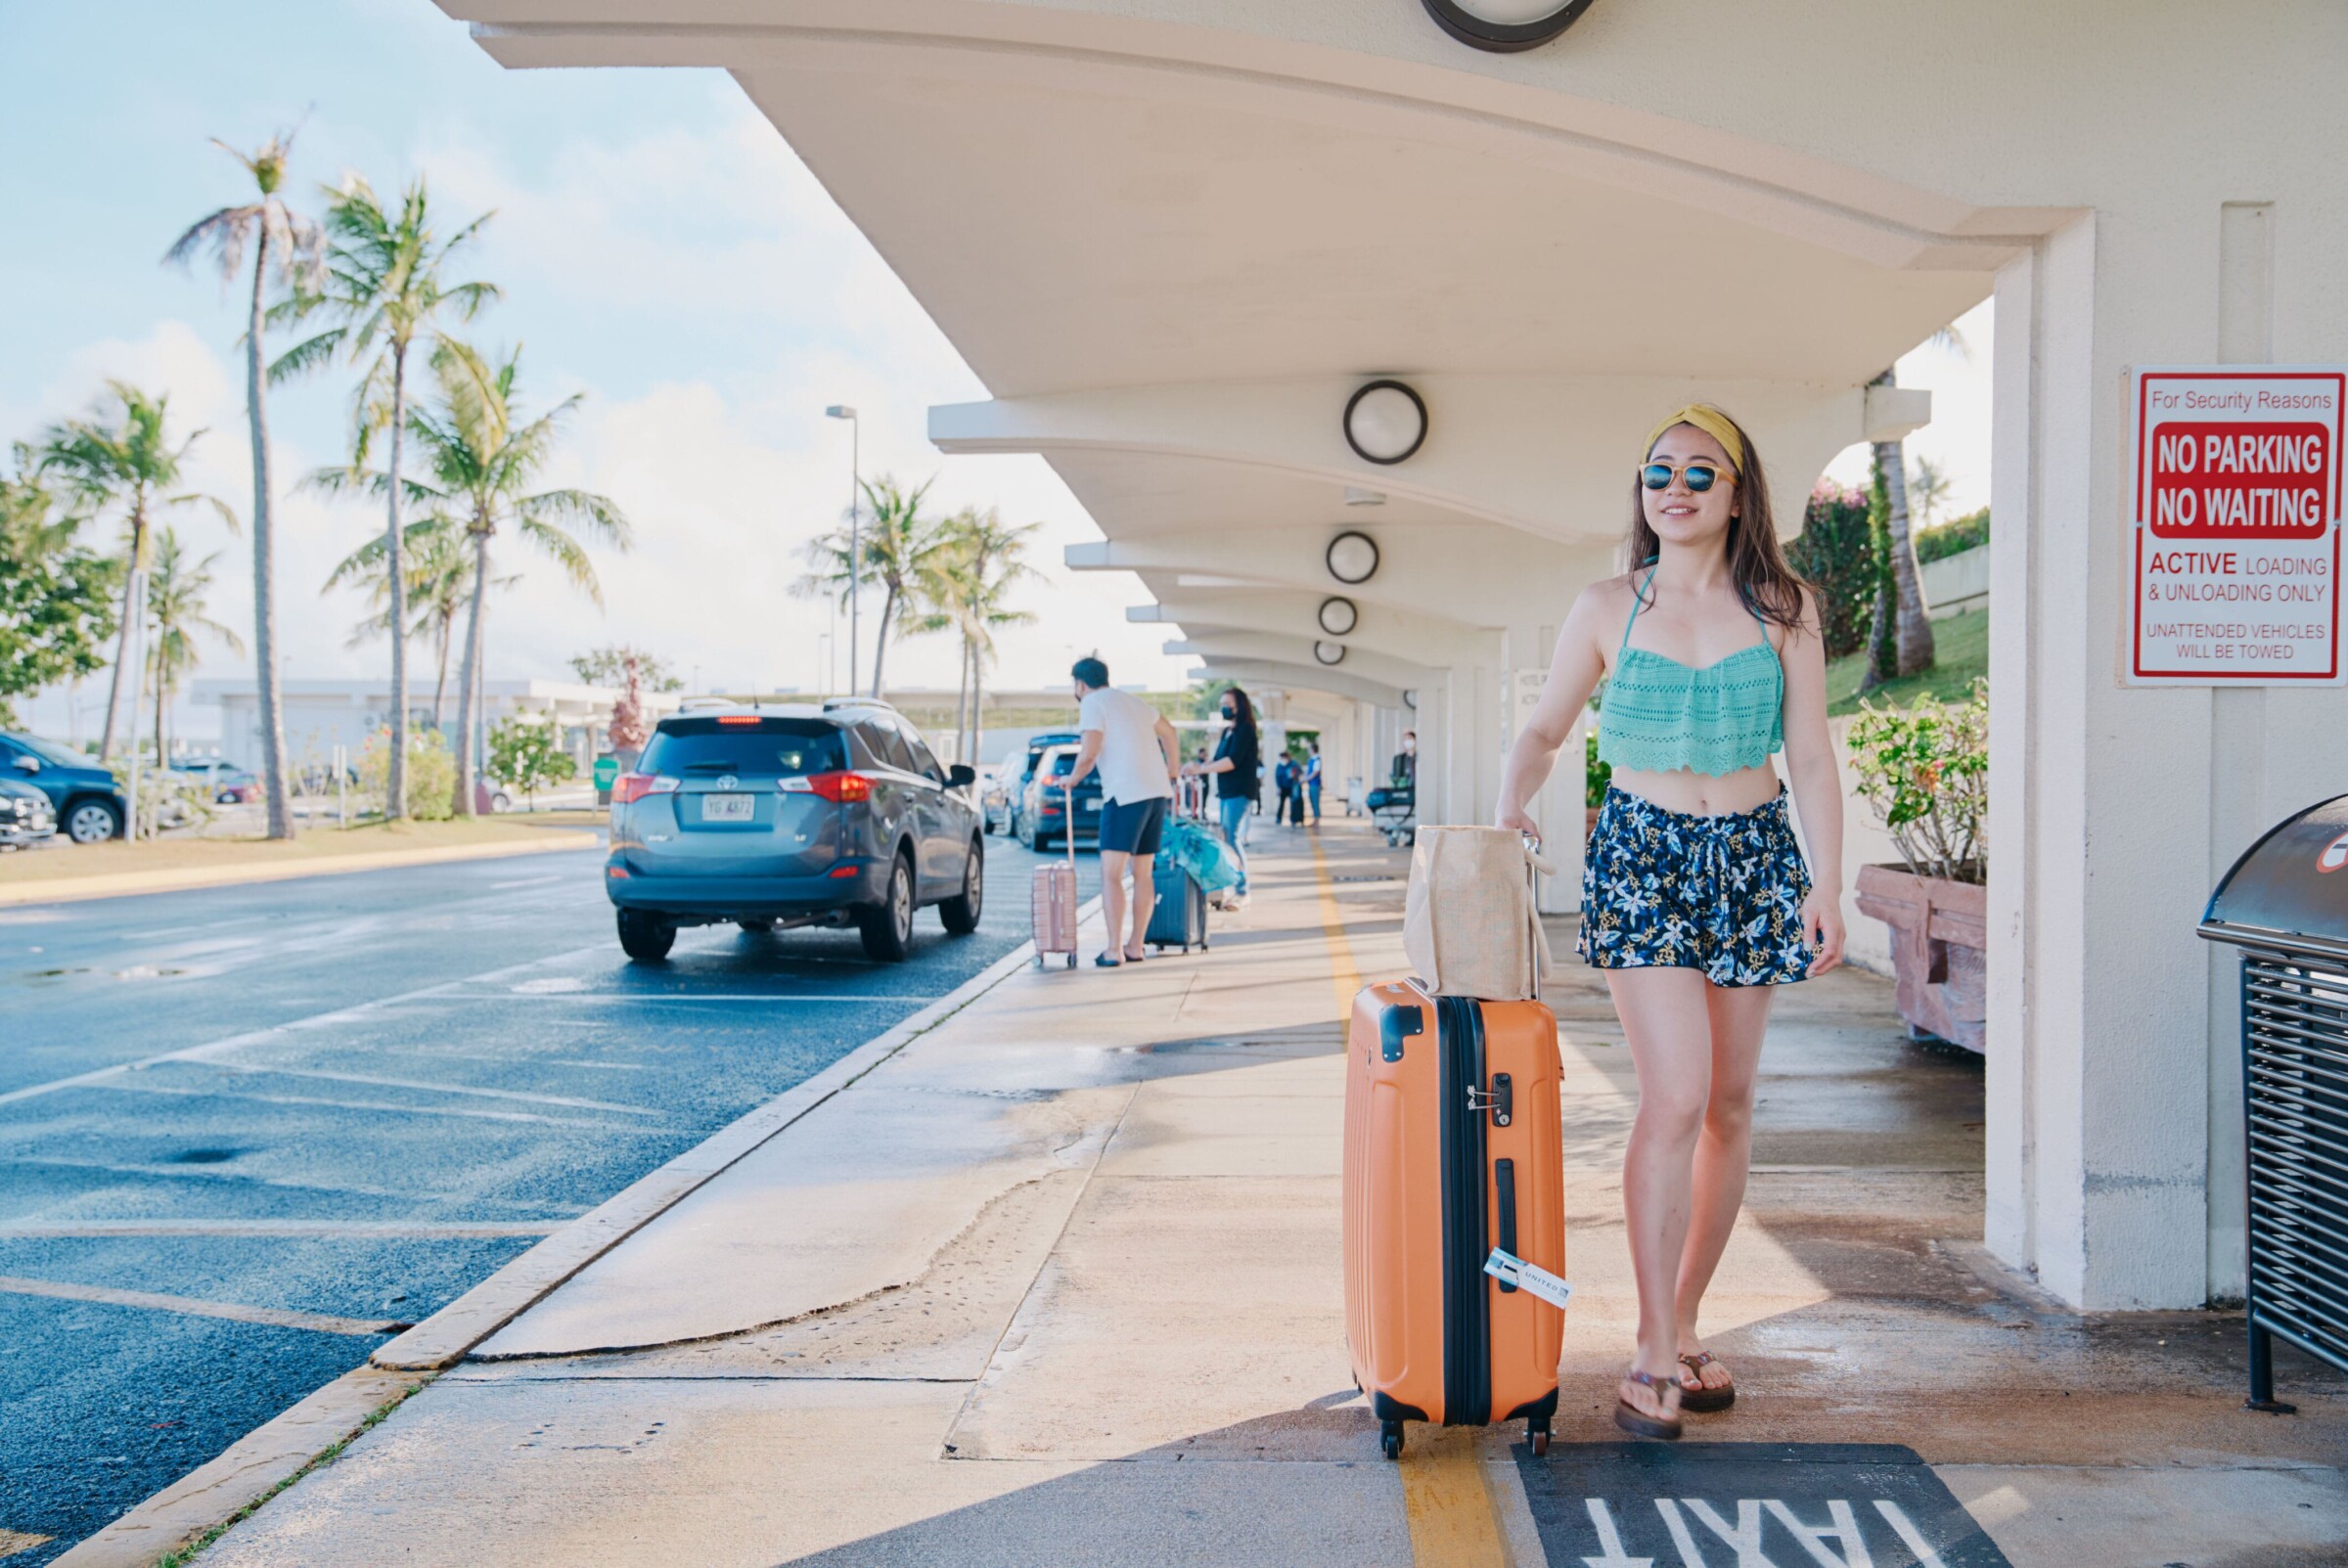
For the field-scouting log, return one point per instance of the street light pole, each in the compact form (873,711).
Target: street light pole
(842,411)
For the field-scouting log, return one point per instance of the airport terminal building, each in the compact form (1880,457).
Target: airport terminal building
(1343,319)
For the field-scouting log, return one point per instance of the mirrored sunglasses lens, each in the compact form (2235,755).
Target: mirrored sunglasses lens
(1699,478)
(1656,475)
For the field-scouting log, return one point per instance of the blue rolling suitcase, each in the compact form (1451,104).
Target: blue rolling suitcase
(1180,918)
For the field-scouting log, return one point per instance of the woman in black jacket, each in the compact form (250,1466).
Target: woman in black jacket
(1238,770)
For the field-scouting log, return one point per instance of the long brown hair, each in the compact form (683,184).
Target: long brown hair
(1770,588)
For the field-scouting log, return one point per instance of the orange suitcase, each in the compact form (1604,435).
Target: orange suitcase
(1453,1148)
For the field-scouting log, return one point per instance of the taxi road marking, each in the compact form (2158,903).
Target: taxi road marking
(13,1542)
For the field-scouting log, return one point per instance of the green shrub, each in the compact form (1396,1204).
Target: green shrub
(1595,774)
(527,754)
(431,773)
(1952,538)
(1924,770)
(1835,554)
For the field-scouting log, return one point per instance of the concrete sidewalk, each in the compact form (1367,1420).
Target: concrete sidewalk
(1058,1283)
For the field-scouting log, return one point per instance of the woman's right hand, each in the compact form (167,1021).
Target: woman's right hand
(1517,816)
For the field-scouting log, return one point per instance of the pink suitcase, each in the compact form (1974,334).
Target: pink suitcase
(1053,904)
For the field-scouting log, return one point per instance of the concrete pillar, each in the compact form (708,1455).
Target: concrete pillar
(2114,1157)
(1469,761)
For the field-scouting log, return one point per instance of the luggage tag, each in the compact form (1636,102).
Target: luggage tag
(1511,1270)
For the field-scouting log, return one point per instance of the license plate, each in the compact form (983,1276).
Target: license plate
(1092,808)
(727,808)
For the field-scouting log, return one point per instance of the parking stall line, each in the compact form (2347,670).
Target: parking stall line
(327,1103)
(188,1306)
(833,998)
(293,1229)
(349,1012)
(372,1081)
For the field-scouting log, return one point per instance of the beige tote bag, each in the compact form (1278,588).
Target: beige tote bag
(1470,923)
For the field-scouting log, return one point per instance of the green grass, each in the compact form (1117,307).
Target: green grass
(1961,646)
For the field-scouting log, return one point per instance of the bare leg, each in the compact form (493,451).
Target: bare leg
(1724,1151)
(1112,893)
(1145,898)
(1666,1020)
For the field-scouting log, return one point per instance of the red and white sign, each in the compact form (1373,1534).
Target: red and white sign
(2236,526)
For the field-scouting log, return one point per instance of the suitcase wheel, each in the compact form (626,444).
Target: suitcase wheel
(1390,1438)
(1536,1432)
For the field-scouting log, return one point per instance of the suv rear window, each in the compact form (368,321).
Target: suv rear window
(774,749)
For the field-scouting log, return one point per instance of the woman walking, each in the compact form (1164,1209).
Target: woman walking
(1237,770)
(1694,898)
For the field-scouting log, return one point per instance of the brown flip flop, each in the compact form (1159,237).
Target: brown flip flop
(1636,1421)
(1698,1398)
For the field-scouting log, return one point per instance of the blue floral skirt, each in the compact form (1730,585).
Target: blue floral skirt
(1663,889)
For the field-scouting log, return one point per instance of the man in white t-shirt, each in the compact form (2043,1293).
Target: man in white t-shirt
(1139,756)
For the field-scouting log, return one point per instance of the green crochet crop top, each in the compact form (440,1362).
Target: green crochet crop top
(1660,715)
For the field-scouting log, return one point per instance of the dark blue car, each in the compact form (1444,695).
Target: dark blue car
(90,805)
(793,816)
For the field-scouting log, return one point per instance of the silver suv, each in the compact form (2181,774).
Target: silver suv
(789,816)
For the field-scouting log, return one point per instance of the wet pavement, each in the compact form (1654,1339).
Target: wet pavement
(329,1106)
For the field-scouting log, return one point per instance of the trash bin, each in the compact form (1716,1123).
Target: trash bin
(2285,905)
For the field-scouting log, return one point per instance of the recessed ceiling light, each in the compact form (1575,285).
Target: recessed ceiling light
(1330,653)
(1339,616)
(1504,27)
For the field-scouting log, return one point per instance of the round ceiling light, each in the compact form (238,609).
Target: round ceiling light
(1385,422)
(1330,653)
(1339,616)
(1504,27)
(1352,557)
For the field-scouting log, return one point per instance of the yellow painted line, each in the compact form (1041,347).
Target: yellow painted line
(1343,974)
(13,1542)
(1448,1502)
(1446,1499)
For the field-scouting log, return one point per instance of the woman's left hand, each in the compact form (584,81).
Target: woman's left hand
(1821,928)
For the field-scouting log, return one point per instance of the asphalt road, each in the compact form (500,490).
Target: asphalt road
(333,1104)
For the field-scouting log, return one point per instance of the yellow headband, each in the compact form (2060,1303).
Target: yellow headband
(1708,418)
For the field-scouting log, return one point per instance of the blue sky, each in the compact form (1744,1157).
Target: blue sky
(663,253)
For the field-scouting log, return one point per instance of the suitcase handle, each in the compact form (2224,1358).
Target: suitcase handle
(1504,1175)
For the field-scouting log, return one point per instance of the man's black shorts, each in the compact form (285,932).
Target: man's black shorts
(1133,828)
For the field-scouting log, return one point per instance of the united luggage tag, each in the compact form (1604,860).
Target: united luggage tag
(1511,1270)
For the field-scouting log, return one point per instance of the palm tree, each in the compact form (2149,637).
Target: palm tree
(1927,491)
(483,464)
(294,246)
(901,544)
(1901,639)
(439,565)
(120,457)
(383,282)
(175,594)
(967,589)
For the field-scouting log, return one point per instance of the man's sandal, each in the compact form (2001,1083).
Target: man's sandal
(1695,1396)
(1636,1421)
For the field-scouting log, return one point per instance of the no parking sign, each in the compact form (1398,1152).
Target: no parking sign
(2235,525)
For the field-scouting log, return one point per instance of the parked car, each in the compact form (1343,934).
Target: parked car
(1021,778)
(89,804)
(25,814)
(994,799)
(793,816)
(227,784)
(1045,815)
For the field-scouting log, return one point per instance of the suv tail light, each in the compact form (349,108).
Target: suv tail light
(633,786)
(840,788)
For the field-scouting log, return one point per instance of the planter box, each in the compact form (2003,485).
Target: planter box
(1939,942)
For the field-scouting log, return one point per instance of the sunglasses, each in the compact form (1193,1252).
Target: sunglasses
(1699,474)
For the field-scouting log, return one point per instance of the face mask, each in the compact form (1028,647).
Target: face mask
(1230,713)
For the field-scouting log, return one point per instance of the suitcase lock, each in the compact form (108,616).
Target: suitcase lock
(1501,1101)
